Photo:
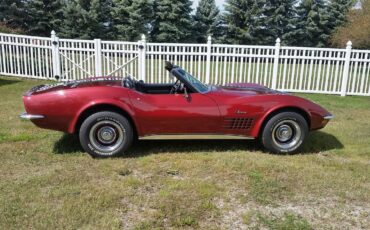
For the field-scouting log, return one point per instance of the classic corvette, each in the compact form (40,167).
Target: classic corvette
(109,113)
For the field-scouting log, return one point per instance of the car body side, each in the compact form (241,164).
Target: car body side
(65,108)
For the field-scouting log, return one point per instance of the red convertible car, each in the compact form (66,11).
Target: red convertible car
(109,113)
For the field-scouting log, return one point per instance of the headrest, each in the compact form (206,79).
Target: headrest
(168,66)
(128,82)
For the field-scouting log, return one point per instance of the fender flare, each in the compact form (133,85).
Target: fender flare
(125,108)
(260,123)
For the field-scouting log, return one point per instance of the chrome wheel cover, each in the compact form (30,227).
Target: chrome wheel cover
(286,134)
(106,136)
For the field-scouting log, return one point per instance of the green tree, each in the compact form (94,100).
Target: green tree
(120,17)
(76,21)
(313,27)
(207,21)
(241,18)
(338,10)
(172,21)
(100,23)
(87,20)
(278,21)
(13,14)
(85,4)
(44,16)
(131,18)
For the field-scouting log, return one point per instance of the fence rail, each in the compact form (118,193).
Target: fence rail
(295,69)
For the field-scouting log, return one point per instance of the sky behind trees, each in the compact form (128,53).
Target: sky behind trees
(219,3)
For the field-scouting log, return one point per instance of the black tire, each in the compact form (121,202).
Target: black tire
(284,133)
(106,134)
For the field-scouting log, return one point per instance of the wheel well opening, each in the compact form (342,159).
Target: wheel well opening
(103,107)
(285,109)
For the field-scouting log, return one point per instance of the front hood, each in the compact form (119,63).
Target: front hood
(89,82)
(245,89)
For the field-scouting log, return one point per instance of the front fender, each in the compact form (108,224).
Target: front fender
(260,122)
(289,102)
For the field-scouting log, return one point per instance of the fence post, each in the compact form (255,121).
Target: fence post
(208,61)
(276,64)
(346,69)
(98,61)
(142,57)
(55,55)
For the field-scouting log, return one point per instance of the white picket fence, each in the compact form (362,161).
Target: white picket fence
(292,69)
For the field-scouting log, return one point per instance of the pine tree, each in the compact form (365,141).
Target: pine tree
(172,21)
(85,4)
(100,23)
(242,20)
(76,21)
(313,27)
(45,16)
(120,17)
(131,18)
(278,21)
(141,15)
(13,14)
(87,19)
(207,21)
(338,10)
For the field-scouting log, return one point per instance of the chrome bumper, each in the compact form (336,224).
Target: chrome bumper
(328,117)
(31,116)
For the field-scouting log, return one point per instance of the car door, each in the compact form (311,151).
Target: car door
(175,114)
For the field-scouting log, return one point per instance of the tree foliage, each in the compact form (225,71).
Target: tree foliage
(131,18)
(172,21)
(313,26)
(100,23)
(338,10)
(13,14)
(6,29)
(278,20)
(207,21)
(241,21)
(87,19)
(356,29)
(76,21)
(252,22)
(44,16)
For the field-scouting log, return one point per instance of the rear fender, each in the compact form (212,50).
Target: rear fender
(126,107)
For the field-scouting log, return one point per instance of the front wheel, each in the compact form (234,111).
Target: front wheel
(285,133)
(106,134)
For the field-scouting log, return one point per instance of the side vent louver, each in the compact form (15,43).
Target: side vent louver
(238,123)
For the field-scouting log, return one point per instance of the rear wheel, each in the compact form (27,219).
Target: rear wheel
(106,134)
(285,133)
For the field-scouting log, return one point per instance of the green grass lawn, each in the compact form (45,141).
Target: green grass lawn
(47,182)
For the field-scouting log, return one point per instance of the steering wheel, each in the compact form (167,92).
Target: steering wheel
(175,87)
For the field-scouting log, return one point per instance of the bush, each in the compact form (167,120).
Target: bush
(357,28)
(6,29)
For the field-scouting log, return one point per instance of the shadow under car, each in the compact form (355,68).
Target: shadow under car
(317,142)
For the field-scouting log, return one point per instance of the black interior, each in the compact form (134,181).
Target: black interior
(153,88)
(181,86)
(140,86)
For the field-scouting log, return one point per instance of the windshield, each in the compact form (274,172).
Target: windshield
(202,88)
